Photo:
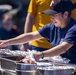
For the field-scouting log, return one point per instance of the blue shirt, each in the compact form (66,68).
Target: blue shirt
(56,35)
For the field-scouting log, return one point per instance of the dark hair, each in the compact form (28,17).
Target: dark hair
(68,14)
(73,6)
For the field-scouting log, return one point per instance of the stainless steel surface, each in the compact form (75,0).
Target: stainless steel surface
(0,72)
(44,72)
(6,72)
(20,68)
(23,66)
(26,73)
(56,70)
(25,69)
(7,64)
(74,73)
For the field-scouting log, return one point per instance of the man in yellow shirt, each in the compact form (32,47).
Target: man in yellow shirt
(36,20)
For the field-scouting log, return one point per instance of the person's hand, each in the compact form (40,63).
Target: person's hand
(3,43)
(37,55)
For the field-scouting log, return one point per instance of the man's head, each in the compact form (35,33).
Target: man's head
(60,12)
(59,7)
(7,21)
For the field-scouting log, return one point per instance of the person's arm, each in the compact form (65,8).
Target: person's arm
(59,49)
(32,9)
(28,28)
(24,38)
(29,22)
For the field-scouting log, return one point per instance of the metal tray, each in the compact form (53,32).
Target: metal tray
(7,64)
(56,70)
(7,72)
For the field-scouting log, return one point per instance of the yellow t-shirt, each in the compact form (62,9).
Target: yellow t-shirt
(74,11)
(35,8)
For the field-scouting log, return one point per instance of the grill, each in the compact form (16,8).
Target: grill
(9,66)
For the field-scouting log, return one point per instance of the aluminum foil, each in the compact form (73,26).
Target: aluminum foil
(13,53)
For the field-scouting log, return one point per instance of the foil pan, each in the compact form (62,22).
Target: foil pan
(23,66)
(56,70)
(25,69)
(13,53)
